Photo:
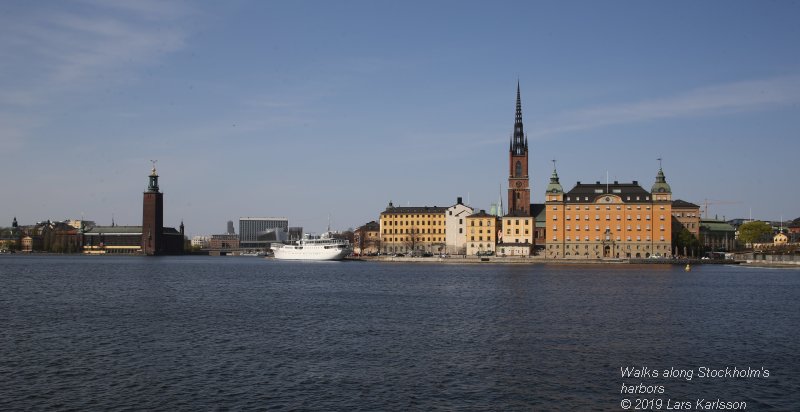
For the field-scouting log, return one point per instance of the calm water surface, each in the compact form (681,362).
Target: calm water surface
(189,333)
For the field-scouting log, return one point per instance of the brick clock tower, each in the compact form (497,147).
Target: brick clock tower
(519,193)
(153,217)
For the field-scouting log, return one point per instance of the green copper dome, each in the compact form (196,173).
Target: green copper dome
(661,186)
(554,186)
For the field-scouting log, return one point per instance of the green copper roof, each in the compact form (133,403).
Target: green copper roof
(555,185)
(661,186)
(711,225)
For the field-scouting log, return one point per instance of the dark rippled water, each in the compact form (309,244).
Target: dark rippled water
(191,333)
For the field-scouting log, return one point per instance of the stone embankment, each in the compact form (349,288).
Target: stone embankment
(517,260)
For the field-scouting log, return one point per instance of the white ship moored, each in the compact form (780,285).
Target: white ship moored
(314,248)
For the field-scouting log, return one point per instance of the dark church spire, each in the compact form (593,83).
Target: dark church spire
(519,143)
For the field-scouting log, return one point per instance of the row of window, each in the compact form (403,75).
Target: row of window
(597,247)
(597,238)
(518,240)
(597,227)
(599,191)
(413,230)
(421,239)
(416,216)
(480,223)
(418,222)
(608,207)
(596,254)
(608,217)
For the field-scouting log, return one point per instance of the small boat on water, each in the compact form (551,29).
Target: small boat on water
(310,247)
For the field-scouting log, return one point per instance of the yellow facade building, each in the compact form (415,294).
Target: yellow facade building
(415,230)
(367,239)
(517,235)
(611,220)
(482,230)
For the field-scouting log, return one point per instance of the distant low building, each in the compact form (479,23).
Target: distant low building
(717,235)
(79,223)
(200,242)
(224,242)
(112,239)
(32,243)
(367,239)
(10,237)
(794,232)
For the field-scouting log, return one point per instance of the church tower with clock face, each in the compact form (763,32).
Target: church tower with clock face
(519,193)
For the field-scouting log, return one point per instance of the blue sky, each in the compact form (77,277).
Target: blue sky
(306,109)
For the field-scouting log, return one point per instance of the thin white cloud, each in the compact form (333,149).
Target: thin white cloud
(52,52)
(146,9)
(49,52)
(728,98)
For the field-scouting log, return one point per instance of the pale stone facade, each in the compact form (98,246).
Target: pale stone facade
(456,228)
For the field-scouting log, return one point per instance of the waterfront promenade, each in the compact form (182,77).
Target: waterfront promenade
(524,260)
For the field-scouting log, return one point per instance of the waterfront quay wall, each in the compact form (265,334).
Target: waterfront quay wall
(519,260)
(764,259)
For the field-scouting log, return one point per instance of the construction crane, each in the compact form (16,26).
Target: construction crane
(707,202)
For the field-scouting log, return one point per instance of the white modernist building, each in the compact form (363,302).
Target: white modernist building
(257,233)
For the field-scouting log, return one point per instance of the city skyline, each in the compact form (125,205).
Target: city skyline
(309,110)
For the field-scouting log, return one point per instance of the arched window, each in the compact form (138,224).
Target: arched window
(518,169)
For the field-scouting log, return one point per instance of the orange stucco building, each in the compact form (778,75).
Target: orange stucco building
(611,220)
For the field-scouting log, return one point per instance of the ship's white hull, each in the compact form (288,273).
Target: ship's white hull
(310,253)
